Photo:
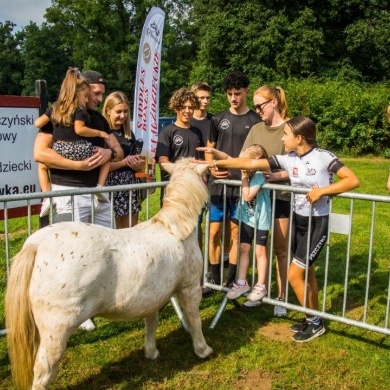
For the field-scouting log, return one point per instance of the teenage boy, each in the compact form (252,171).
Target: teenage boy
(201,117)
(228,131)
(179,139)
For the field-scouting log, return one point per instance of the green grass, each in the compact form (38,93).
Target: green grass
(252,349)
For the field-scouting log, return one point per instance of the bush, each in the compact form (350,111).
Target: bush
(351,116)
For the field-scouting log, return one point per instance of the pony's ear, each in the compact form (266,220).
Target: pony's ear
(201,168)
(169,167)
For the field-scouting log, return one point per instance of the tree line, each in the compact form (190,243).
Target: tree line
(343,44)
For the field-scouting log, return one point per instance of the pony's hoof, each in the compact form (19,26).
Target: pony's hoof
(153,355)
(87,325)
(204,353)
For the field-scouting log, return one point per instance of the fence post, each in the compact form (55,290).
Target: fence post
(41,92)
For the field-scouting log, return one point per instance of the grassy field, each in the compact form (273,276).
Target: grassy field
(252,349)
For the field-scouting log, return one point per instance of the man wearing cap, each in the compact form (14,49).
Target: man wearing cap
(67,174)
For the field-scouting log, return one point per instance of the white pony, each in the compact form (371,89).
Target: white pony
(71,271)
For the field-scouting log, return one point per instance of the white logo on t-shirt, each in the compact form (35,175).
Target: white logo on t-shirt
(225,124)
(178,140)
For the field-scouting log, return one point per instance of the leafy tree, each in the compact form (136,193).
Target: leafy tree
(105,36)
(274,40)
(11,70)
(45,58)
(368,43)
(101,35)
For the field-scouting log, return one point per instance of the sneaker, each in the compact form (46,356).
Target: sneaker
(87,325)
(280,311)
(251,304)
(299,327)
(311,331)
(45,208)
(103,197)
(257,293)
(237,290)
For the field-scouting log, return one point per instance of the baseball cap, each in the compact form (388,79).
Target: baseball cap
(94,77)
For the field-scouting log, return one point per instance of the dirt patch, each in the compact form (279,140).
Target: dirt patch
(255,379)
(258,379)
(279,332)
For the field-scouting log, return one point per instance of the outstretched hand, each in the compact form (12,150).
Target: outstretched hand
(193,160)
(205,149)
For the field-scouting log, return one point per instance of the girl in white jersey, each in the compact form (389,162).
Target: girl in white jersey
(310,167)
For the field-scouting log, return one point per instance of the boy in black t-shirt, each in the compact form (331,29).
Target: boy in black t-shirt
(201,118)
(179,139)
(228,131)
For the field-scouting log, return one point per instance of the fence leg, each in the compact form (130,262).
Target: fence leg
(179,313)
(220,310)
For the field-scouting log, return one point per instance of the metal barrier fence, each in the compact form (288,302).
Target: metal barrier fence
(354,285)
(348,294)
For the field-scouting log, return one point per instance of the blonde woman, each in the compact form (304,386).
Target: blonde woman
(271,105)
(116,110)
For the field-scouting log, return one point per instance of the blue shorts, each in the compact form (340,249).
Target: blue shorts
(232,212)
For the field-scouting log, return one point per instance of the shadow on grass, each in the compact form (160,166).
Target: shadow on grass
(236,328)
(133,371)
(361,335)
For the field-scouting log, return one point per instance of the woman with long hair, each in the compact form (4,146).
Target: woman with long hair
(116,110)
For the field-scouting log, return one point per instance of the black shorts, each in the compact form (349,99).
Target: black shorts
(248,232)
(299,237)
(282,209)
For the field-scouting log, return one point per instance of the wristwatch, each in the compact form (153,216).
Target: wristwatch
(113,154)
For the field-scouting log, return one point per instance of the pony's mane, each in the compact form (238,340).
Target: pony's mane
(185,196)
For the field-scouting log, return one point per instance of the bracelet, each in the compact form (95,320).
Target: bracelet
(215,165)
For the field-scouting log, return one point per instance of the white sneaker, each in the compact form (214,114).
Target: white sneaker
(251,304)
(103,197)
(87,325)
(257,293)
(45,208)
(237,290)
(280,311)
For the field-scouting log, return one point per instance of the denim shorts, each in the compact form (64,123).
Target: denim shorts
(232,212)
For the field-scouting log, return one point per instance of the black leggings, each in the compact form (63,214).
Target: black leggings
(299,236)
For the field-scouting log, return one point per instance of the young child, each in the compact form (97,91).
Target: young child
(68,115)
(255,213)
(310,167)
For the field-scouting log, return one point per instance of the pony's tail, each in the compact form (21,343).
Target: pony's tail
(22,333)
